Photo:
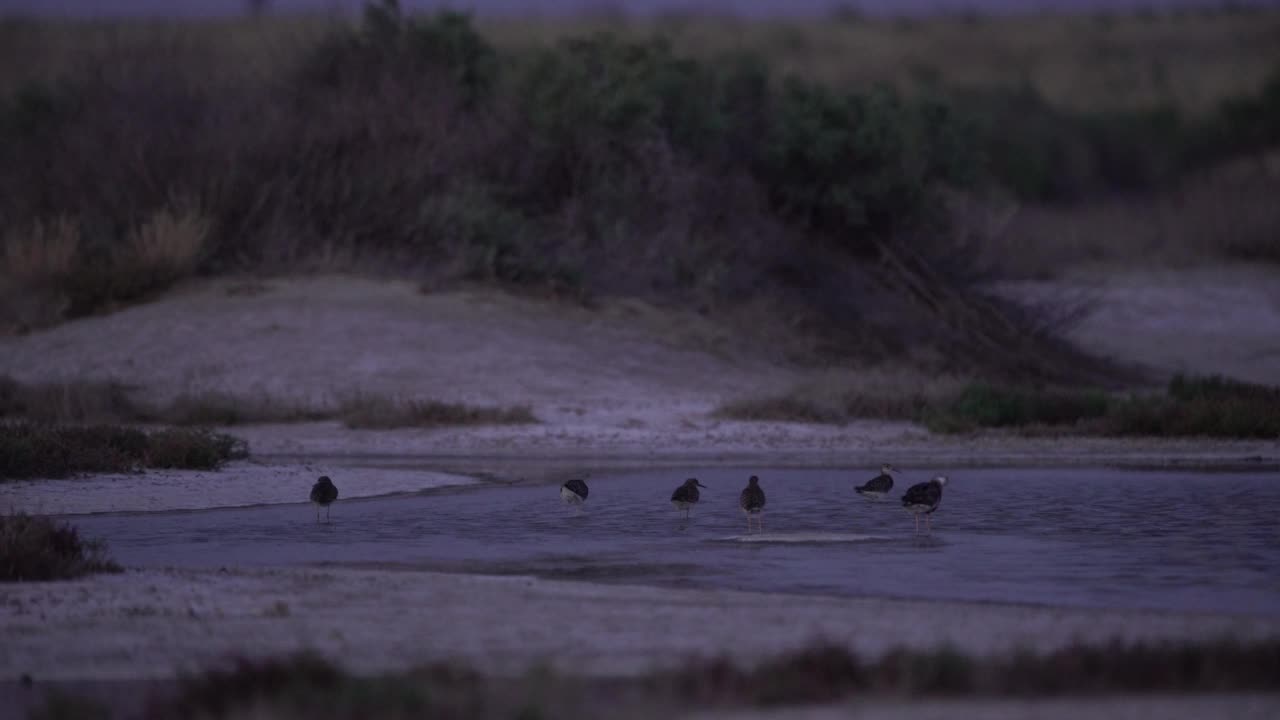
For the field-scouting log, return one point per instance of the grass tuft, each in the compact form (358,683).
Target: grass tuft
(37,548)
(380,412)
(166,247)
(219,408)
(46,252)
(67,402)
(46,450)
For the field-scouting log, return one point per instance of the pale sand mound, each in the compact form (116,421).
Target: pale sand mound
(151,623)
(238,484)
(315,338)
(1212,320)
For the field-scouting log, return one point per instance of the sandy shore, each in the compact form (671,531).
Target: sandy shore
(151,623)
(288,458)
(237,485)
(617,387)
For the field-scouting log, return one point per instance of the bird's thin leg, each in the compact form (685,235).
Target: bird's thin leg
(928,524)
(917,524)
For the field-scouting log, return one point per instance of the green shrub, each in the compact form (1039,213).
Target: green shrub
(985,405)
(35,548)
(53,451)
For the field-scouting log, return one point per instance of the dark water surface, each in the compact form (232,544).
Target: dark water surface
(1078,537)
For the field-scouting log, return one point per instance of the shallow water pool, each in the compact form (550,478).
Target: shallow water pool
(1077,537)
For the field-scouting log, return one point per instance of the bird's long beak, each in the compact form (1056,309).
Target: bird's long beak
(704,487)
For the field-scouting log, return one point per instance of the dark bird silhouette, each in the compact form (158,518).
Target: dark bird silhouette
(752,502)
(923,499)
(687,495)
(323,493)
(574,492)
(879,486)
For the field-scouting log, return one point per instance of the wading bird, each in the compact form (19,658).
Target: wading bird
(687,495)
(752,502)
(923,499)
(879,486)
(323,493)
(574,492)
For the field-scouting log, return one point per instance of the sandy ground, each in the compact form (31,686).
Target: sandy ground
(151,623)
(1223,320)
(617,387)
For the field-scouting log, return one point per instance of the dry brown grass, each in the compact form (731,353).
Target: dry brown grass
(67,402)
(44,252)
(113,402)
(169,242)
(366,411)
(837,397)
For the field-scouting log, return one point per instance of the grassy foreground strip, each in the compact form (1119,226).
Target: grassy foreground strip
(1190,406)
(47,450)
(308,686)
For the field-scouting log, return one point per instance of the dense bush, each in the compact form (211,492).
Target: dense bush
(1041,152)
(598,164)
(412,137)
(36,548)
(52,451)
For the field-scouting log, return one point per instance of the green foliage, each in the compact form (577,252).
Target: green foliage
(53,451)
(1240,125)
(985,405)
(1193,406)
(390,43)
(36,548)
(599,164)
(1043,153)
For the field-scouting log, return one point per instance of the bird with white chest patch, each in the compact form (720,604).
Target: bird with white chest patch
(923,499)
(574,492)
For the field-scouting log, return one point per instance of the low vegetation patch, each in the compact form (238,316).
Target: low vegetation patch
(29,449)
(839,397)
(67,402)
(112,403)
(1191,406)
(34,548)
(308,686)
(379,412)
(219,408)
